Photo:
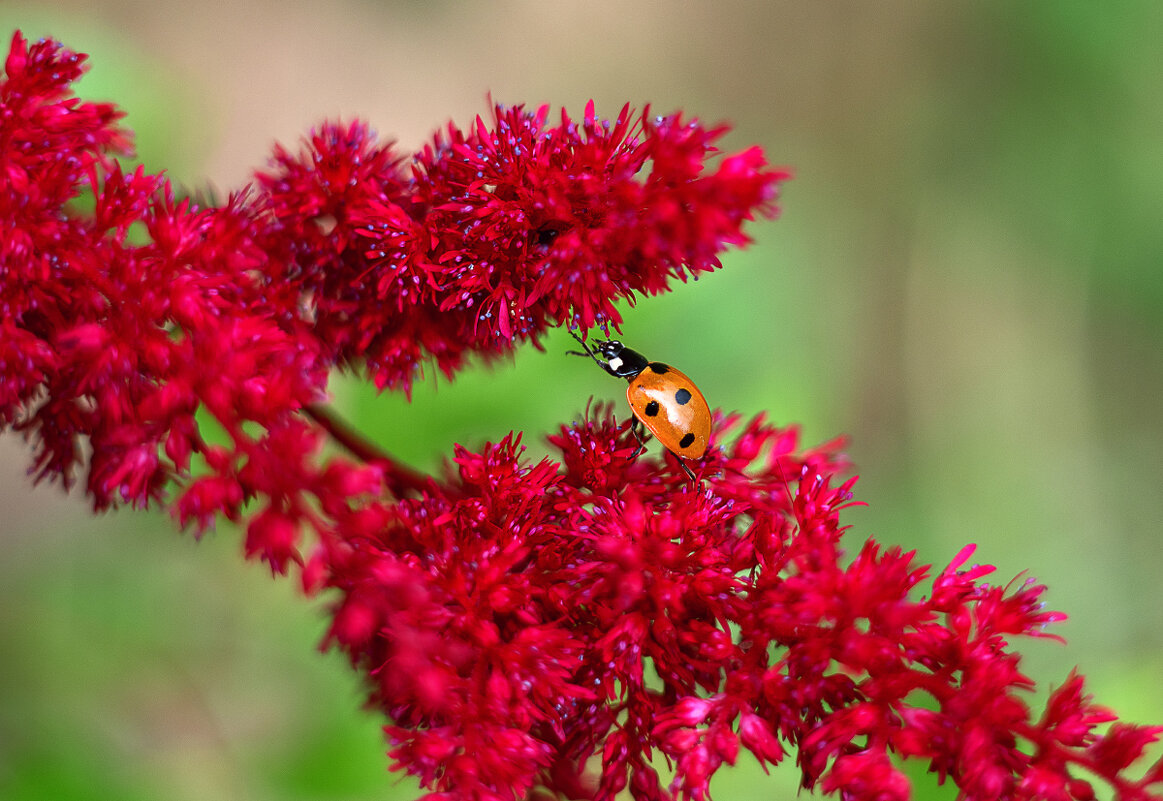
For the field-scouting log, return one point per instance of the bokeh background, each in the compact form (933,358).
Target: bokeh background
(966,279)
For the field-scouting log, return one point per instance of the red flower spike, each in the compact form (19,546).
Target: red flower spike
(497,232)
(514,621)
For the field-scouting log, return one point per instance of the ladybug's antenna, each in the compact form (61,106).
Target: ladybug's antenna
(585,347)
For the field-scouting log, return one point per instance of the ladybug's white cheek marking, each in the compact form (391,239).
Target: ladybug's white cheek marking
(615,363)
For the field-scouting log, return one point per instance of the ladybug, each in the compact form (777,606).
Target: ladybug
(663,399)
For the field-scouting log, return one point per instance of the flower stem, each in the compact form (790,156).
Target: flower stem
(400,479)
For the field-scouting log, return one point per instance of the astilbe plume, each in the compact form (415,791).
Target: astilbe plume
(526,628)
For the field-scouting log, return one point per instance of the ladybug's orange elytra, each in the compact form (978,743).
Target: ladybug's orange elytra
(663,399)
(671,406)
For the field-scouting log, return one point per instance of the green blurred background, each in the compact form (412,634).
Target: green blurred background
(966,279)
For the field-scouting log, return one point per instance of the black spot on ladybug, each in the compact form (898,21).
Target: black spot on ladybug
(686,441)
(683,396)
(658,367)
(651,409)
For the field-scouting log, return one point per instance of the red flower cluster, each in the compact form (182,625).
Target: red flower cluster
(499,232)
(518,623)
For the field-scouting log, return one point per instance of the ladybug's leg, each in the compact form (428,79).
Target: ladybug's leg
(685,469)
(635,424)
(588,352)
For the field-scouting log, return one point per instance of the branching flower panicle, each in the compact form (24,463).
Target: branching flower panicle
(566,626)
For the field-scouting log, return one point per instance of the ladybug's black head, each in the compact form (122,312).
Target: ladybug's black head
(614,357)
(609,348)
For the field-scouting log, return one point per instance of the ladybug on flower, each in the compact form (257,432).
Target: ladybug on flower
(663,399)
